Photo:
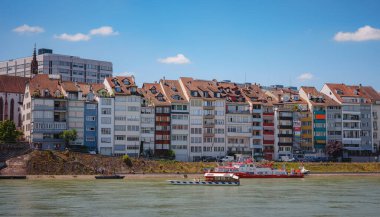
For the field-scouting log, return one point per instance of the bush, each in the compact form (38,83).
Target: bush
(127,160)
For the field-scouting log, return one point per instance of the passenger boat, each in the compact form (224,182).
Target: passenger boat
(252,170)
(214,179)
(109,177)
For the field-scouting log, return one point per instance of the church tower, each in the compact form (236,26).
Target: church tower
(34,63)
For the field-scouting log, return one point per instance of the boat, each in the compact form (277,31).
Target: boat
(109,177)
(253,170)
(213,179)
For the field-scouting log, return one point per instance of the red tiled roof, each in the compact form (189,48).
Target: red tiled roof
(315,93)
(13,84)
(120,81)
(172,88)
(153,97)
(41,82)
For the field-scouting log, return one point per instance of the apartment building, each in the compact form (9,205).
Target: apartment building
(179,116)
(44,112)
(75,109)
(240,133)
(289,110)
(127,114)
(12,90)
(90,116)
(356,118)
(106,120)
(71,68)
(373,97)
(207,119)
(147,124)
(327,121)
(162,133)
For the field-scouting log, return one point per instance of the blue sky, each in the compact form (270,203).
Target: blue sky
(267,42)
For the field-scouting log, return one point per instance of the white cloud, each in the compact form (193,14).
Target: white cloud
(103,31)
(28,29)
(305,77)
(178,59)
(74,38)
(364,33)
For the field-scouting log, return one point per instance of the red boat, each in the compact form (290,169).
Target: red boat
(252,170)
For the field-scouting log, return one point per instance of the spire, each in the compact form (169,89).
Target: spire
(34,63)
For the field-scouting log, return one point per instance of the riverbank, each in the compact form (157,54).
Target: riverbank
(53,163)
(171,176)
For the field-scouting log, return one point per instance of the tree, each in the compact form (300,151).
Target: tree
(8,131)
(69,136)
(127,160)
(171,154)
(334,149)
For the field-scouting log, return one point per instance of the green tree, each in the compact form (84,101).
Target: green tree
(8,131)
(127,160)
(69,136)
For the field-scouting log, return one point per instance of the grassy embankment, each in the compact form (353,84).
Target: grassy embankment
(68,163)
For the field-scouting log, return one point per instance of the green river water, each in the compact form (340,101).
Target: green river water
(311,196)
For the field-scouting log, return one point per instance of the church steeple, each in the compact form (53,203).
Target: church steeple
(34,63)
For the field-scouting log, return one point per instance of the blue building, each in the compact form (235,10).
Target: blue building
(90,118)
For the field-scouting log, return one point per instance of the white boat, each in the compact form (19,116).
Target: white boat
(216,179)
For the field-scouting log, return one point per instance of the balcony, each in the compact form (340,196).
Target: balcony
(285,118)
(268,142)
(268,113)
(60,108)
(256,110)
(268,137)
(257,127)
(257,137)
(285,135)
(257,120)
(285,127)
(209,116)
(268,124)
(208,134)
(267,132)
(208,124)
(285,144)
(237,112)
(208,107)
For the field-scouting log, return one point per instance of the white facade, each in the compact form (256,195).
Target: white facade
(71,68)
(180,130)
(105,125)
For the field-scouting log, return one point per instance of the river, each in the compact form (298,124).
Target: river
(311,196)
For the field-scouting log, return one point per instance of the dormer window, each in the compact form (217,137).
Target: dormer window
(176,97)
(174,89)
(153,90)
(90,96)
(57,93)
(115,82)
(339,91)
(46,92)
(133,90)
(194,93)
(117,89)
(160,97)
(126,82)
(295,97)
(205,94)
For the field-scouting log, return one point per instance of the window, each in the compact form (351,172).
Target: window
(90,139)
(106,131)
(133,128)
(196,130)
(119,137)
(91,106)
(90,118)
(105,140)
(106,111)
(133,108)
(133,138)
(90,128)
(120,128)
(106,101)
(105,120)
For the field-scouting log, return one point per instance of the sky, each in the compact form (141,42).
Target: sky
(267,42)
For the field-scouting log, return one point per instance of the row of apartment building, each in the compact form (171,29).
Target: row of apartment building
(199,118)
